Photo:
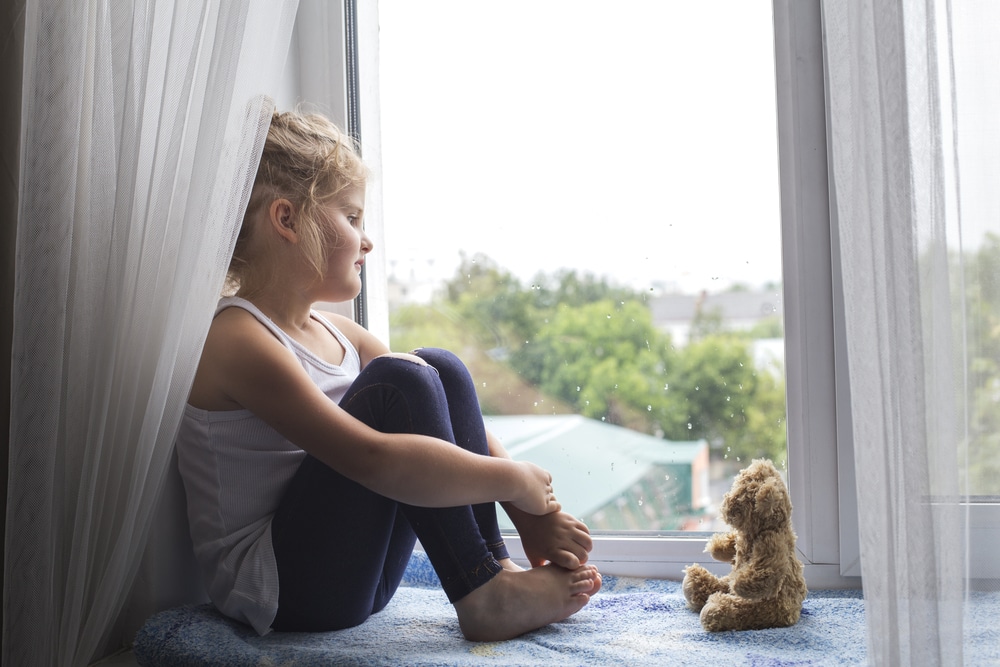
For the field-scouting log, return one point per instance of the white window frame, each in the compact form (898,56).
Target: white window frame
(817,468)
(317,73)
(821,462)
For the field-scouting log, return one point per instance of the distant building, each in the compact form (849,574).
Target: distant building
(610,477)
(738,310)
(414,291)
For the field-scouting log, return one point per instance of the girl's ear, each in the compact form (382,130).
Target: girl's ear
(282,216)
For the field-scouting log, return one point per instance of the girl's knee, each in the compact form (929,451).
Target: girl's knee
(443,360)
(406,372)
(405,356)
(445,366)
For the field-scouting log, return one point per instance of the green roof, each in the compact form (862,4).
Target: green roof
(597,466)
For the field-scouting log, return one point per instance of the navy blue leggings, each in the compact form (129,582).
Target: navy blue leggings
(340,548)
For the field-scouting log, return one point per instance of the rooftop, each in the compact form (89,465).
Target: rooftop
(597,466)
(749,305)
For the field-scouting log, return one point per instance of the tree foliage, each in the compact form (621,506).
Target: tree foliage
(728,401)
(979,325)
(571,341)
(591,345)
(606,359)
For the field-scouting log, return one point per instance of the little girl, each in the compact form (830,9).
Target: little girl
(313,458)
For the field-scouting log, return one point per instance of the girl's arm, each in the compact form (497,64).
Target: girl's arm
(254,370)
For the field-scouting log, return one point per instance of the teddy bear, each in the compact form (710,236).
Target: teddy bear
(766,586)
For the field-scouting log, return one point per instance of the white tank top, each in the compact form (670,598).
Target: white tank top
(235,470)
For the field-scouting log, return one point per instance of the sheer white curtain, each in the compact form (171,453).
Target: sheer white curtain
(142,124)
(913,106)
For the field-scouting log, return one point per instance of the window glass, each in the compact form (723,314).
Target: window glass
(980,367)
(974,253)
(581,200)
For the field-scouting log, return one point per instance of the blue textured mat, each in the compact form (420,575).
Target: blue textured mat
(630,622)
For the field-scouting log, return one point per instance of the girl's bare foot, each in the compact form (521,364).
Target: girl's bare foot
(598,582)
(509,565)
(513,603)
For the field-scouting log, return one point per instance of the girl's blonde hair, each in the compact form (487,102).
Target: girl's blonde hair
(307,160)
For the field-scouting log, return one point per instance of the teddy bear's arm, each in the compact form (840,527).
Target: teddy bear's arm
(722,547)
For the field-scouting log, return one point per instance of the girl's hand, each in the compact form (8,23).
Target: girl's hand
(558,538)
(538,497)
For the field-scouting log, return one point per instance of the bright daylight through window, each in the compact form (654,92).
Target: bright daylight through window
(582,202)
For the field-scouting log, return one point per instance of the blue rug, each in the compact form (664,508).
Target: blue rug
(630,622)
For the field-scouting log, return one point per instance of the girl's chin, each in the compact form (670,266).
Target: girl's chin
(347,290)
(341,296)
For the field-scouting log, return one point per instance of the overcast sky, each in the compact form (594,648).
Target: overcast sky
(634,140)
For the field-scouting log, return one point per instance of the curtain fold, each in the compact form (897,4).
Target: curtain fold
(903,108)
(142,124)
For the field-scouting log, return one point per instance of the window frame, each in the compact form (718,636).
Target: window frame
(821,460)
(819,457)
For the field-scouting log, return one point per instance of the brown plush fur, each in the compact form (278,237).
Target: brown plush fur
(766,586)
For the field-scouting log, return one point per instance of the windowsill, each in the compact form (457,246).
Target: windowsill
(656,556)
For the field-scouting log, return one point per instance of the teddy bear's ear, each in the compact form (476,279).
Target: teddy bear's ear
(771,498)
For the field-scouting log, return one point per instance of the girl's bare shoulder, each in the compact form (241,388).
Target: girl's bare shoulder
(235,341)
(342,322)
(365,342)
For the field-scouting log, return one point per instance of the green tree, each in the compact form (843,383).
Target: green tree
(769,327)
(588,345)
(979,326)
(501,390)
(491,303)
(727,401)
(975,337)
(568,288)
(505,314)
(606,359)
(413,325)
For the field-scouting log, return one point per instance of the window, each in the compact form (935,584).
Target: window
(808,322)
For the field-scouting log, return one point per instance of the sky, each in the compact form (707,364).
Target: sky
(637,144)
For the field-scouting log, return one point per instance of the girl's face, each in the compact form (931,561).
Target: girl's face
(347,245)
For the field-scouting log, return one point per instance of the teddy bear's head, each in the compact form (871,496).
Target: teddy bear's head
(758,500)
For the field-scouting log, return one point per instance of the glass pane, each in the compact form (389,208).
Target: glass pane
(973,240)
(980,458)
(581,200)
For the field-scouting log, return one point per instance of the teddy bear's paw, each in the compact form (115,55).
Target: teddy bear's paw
(698,584)
(722,547)
(725,611)
(720,613)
